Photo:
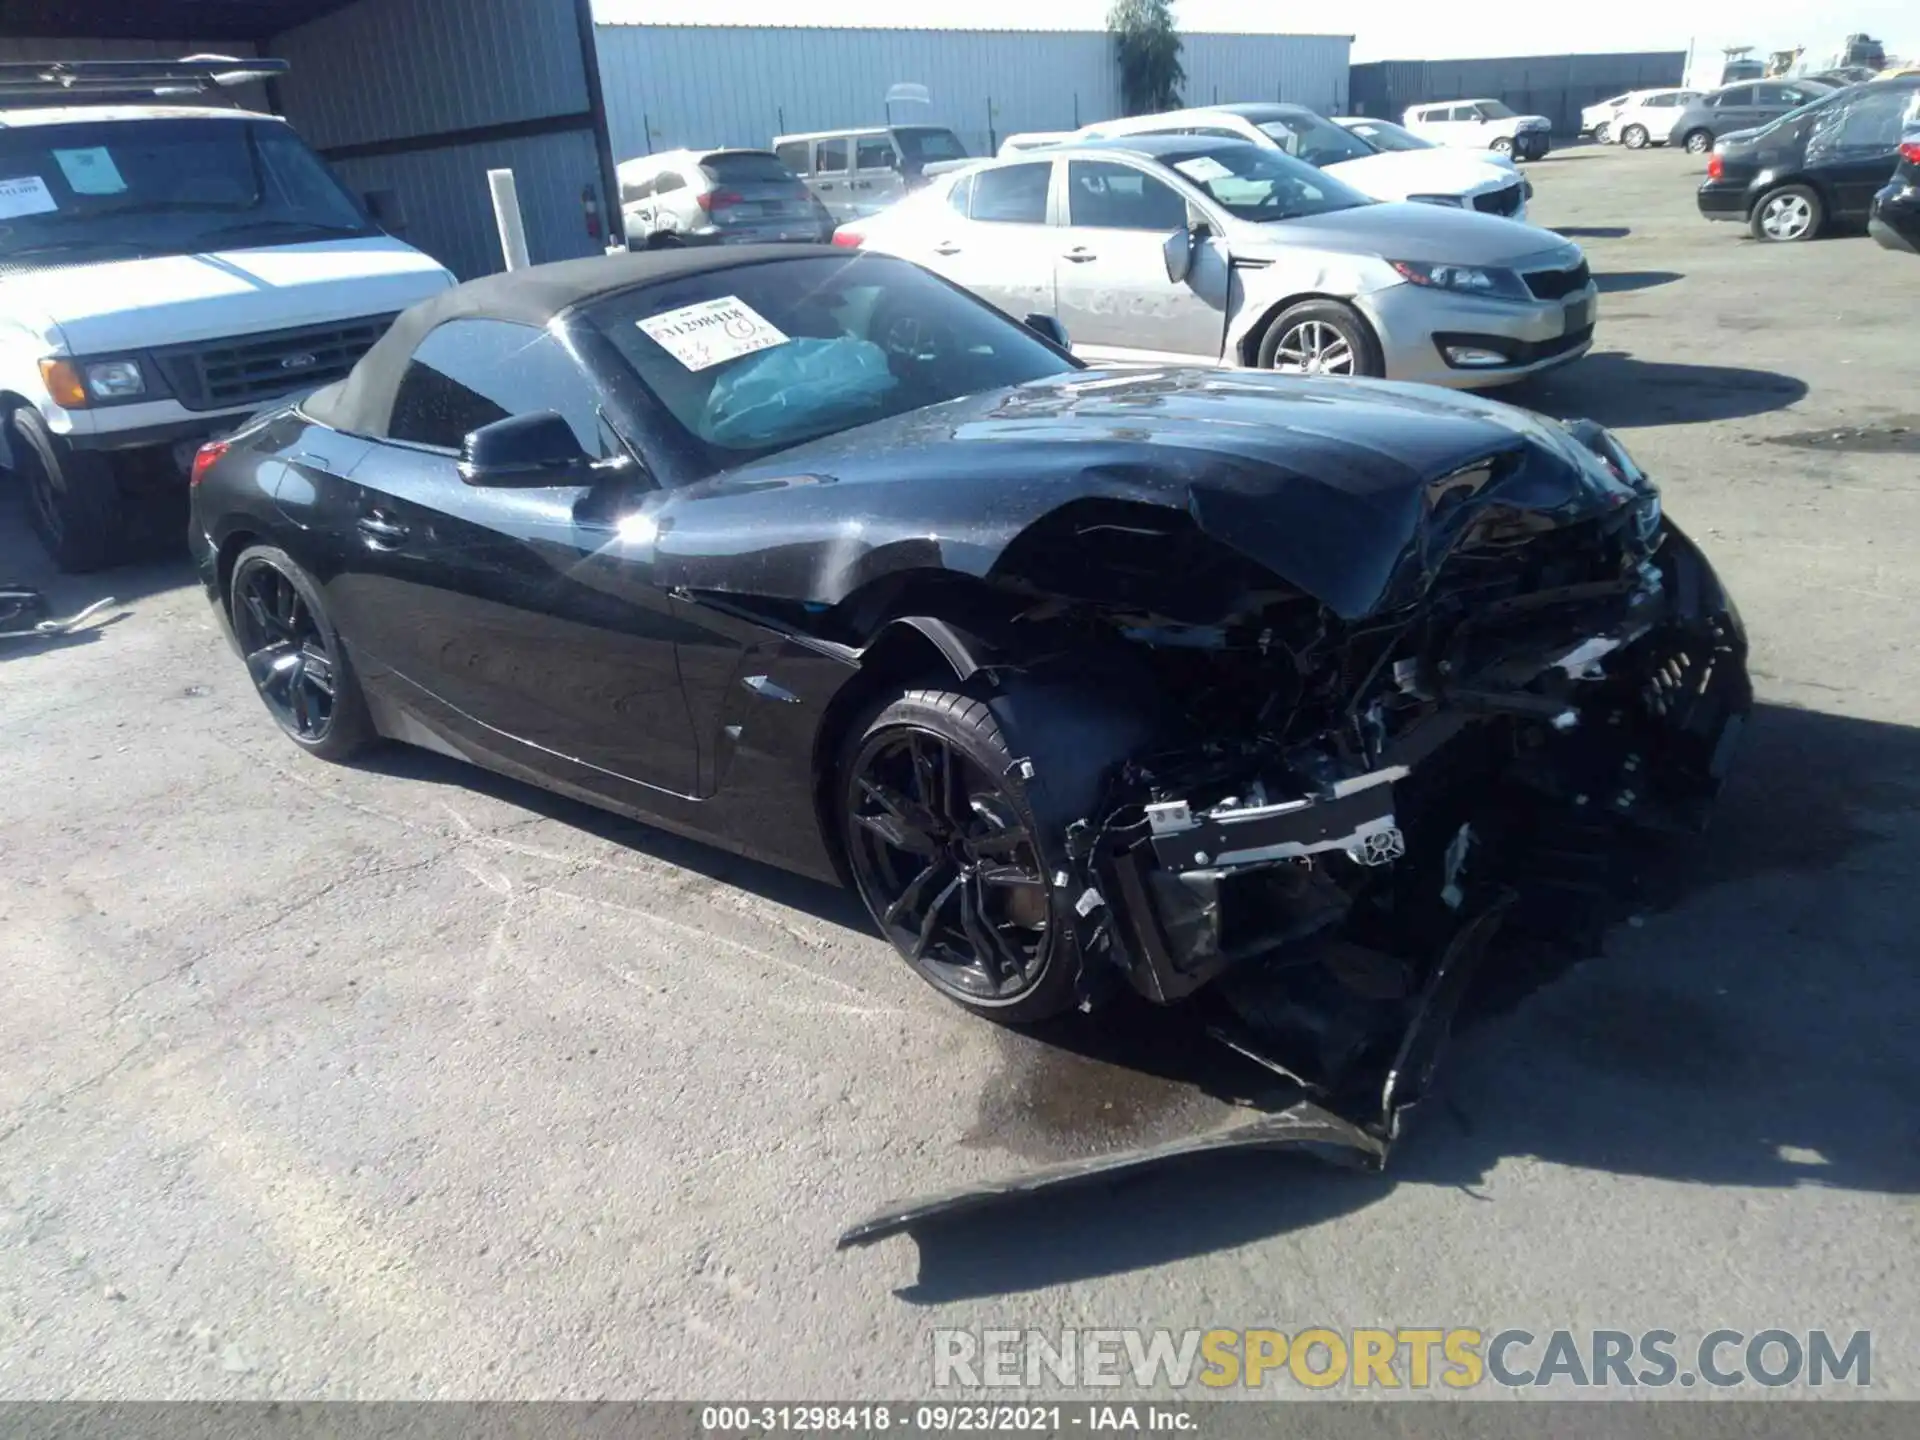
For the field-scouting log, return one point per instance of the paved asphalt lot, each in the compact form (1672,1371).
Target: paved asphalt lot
(406,1082)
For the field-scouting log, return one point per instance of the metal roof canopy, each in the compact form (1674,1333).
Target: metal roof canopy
(256,20)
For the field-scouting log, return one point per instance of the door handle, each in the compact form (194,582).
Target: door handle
(382,532)
(946,247)
(1079,255)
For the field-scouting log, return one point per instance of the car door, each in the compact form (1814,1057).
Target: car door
(1110,271)
(993,238)
(1735,108)
(877,179)
(831,175)
(1853,147)
(511,614)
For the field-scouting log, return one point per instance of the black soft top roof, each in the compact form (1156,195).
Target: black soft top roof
(362,404)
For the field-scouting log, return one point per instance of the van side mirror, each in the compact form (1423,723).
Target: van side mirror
(525,452)
(1049,328)
(386,210)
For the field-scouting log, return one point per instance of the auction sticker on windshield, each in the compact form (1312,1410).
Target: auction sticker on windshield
(91,171)
(1202,168)
(712,332)
(25,195)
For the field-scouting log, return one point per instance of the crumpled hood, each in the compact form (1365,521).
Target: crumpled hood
(1396,174)
(157,300)
(1324,482)
(1411,230)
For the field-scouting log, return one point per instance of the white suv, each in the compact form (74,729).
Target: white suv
(1384,173)
(166,270)
(1482,125)
(1647,117)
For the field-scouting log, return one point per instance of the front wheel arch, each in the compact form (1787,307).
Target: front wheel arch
(1247,350)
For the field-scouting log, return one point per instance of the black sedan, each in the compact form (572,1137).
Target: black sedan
(1894,220)
(1085,680)
(1816,169)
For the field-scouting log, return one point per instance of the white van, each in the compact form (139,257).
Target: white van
(167,268)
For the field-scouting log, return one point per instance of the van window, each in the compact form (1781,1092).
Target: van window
(830,155)
(168,187)
(874,153)
(793,155)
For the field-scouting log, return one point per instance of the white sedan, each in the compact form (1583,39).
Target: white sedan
(1384,172)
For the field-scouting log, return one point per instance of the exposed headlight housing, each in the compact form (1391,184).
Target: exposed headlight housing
(1487,281)
(115,380)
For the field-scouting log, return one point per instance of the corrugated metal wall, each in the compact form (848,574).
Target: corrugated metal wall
(673,85)
(388,88)
(392,69)
(1557,86)
(449,211)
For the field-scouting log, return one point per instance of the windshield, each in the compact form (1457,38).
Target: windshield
(927,144)
(165,187)
(747,167)
(1318,142)
(757,358)
(1494,110)
(1252,182)
(1384,135)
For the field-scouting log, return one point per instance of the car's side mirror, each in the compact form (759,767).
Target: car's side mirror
(1049,328)
(525,451)
(1181,245)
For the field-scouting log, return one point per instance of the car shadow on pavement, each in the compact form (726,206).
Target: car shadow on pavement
(1752,1029)
(1620,282)
(1593,232)
(1619,390)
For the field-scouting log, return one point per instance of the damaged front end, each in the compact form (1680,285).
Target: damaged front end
(1338,814)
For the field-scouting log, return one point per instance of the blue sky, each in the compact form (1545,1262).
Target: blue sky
(1382,29)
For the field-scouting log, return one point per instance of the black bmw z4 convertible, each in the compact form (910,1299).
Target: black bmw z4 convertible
(1193,682)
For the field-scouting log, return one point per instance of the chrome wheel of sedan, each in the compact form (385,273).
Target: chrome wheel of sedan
(1787,215)
(1313,347)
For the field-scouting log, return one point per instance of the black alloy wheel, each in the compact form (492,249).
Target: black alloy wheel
(944,851)
(294,657)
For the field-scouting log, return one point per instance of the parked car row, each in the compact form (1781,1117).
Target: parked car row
(1833,162)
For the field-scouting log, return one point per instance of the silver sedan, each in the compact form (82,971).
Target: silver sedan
(1183,247)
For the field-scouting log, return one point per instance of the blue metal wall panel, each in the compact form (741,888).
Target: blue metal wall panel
(1557,86)
(449,209)
(673,85)
(394,69)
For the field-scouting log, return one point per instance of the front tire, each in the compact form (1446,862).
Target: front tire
(1503,146)
(1321,337)
(294,656)
(1699,142)
(946,852)
(73,497)
(1635,137)
(1787,215)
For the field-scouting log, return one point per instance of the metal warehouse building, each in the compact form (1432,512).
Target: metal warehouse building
(673,85)
(1556,86)
(416,98)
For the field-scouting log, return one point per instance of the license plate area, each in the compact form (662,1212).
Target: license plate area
(1579,315)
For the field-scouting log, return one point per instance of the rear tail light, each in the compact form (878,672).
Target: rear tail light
(1910,152)
(205,458)
(850,236)
(1715,168)
(718,200)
